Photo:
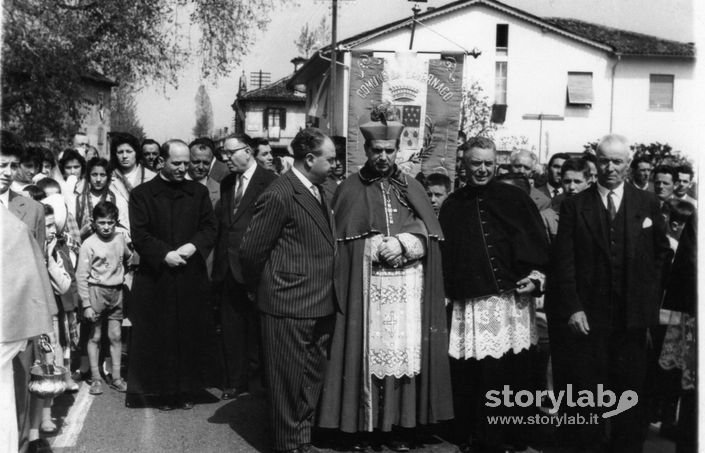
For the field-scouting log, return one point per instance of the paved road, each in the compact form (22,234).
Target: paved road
(102,424)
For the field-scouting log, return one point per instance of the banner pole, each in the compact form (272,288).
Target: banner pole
(333,69)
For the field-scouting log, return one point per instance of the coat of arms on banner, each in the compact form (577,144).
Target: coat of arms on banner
(411,118)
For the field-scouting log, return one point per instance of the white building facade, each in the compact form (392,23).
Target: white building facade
(558,83)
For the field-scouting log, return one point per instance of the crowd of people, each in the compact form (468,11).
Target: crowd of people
(377,308)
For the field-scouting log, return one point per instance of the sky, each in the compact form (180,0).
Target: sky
(167,112)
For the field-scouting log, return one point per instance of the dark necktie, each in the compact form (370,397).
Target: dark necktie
(610,205)
(238,192)
(555,193)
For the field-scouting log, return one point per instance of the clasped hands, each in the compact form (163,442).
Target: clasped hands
(391,251)
(179,256)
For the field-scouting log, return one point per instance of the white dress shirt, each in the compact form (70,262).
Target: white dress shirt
(616,198)
(246,177)
(308,184)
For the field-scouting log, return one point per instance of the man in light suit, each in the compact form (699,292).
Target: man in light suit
(31,214)
(240,324)
(202,157)
(288,258)
(605,292)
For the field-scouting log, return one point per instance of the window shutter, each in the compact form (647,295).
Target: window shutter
(282,119)
(265,119)
(580,88)
(660,91)
(499,113)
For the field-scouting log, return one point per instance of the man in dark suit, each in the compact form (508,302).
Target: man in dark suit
(288,258)
(553,186)
(641,169)
(605,293)
(240,324)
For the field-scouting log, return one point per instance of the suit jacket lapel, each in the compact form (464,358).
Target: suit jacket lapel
(249,195)
(305,198)
(591,214)
(329,211)
(16,205)
(226,198)
(634,217)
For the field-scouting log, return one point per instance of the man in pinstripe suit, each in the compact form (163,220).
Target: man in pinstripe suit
(288,258)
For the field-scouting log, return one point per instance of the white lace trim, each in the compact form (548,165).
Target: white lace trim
(492,326)
(395,299)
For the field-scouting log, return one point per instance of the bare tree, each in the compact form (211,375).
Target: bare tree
(123,116)
(311,39)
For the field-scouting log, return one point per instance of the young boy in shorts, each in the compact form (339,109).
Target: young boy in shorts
(100,276)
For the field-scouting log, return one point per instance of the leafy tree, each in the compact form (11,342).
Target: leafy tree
(49,46)
(204,114)
(311,39)
(123,116)
(476,113)
(657,153)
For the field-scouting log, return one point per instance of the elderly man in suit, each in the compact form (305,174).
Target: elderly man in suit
(288,258)
(239,192)
(523,162)
(605,291)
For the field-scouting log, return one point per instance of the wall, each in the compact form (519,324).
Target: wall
(680,127)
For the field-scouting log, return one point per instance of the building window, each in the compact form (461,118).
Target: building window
(500,82)
(274,117)
(580,88)
(502,39)
(661,92)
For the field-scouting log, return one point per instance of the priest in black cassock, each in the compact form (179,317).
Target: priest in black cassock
(173,230)
(388,367)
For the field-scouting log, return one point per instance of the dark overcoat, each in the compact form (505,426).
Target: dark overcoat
(232,225)
(580,280)
(171,331)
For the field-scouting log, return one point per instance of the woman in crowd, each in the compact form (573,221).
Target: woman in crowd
(93,189)
(128,173)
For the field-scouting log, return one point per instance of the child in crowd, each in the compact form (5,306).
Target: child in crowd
(52,190)
(33,192)
(100,277)
(60,264)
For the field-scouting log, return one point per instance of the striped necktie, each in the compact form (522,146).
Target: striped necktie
(238,192)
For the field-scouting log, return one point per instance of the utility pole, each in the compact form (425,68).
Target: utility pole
(333,70)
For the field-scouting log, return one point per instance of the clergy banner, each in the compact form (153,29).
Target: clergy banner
(425,93)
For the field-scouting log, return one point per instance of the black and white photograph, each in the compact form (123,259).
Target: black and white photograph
(321,226)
